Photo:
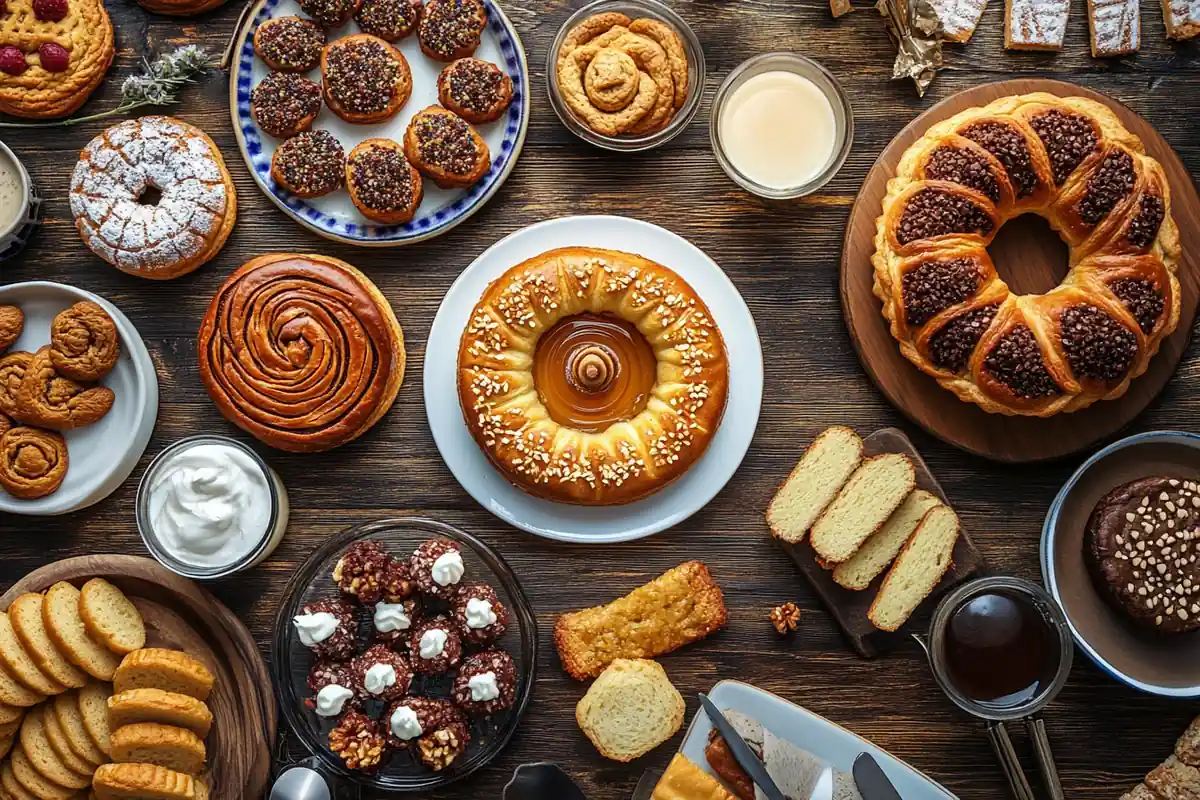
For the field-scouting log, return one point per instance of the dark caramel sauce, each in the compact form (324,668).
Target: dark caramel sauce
(1000,650)
(592,371)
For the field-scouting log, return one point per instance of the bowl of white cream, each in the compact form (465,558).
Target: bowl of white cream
(209,506)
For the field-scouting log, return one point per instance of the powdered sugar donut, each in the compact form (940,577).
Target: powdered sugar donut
(152,197)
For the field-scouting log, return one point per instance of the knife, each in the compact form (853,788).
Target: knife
(872,783)
(741,751)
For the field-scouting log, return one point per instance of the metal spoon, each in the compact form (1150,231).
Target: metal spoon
(300,783)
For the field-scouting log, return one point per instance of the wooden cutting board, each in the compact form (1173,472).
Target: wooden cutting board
(181,615)
(849,609)
(1031,259)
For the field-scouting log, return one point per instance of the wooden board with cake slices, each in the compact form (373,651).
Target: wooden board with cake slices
(850,608)
(180,615)
(1031,259)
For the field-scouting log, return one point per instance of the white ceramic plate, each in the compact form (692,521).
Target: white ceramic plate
(595,524)
(334,216)
(100,456)
(831,743)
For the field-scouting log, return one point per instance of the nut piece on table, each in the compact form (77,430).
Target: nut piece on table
(785,618)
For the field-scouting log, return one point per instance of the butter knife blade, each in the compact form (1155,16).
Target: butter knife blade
(872,782)
(741,751)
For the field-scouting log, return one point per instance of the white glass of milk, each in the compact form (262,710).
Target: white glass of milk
(781,126)
(20,204)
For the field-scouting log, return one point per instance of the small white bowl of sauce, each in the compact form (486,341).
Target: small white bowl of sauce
(781,126)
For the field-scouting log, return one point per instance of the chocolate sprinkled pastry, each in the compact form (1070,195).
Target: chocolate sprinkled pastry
(474,89)
(383,185)
(330,13)
(494,687)
(962,166)
(285,104)
(1141,545)
(446,148)
(390,20)
(1111,183)
(1143,228)
(450,29)
(289,44)
(366,79)
(1068,139)
(1143,299)
(1017,362)
(1009,147)
(933,286)
(934,212)
(310,164)
(1097,346)
(951,347)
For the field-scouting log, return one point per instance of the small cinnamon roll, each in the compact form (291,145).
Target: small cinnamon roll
(12,322)
(48,400)
(84,343)
(33,462)
(12,375)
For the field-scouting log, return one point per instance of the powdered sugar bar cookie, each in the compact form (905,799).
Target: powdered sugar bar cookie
(1182,18)
(959,17)
(1116,27)
(1035,24)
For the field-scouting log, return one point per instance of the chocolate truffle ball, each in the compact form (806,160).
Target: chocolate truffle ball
(486,683)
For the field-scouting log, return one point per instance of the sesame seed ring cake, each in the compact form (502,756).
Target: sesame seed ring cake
(592,376)
(1069,160)
(114,212)
(52,59)
(303,352)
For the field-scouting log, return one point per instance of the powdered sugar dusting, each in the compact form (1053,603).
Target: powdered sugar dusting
(1116,26)
(1038,23)
(1182,18)
(959,17)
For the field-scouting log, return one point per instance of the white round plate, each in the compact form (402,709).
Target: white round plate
(595,524)
(100,456)
(334,216)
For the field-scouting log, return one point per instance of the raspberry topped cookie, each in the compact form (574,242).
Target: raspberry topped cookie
(390,20)
(474,89)
(289,44)
(310,164)
(446,148)
(383,185)
(366,80)
(451,29)
(285,104)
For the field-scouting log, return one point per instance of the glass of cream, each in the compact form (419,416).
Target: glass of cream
(20,204)
(209,506)
(781,126)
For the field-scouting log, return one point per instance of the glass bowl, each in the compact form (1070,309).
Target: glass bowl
(696,75)
(291,660)
(843,116)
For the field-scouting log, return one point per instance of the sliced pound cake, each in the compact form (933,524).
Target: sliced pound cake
(33,782)
(146,782)
(67,631)
(874,491)
(878,552)
(18,662)
(630,709)
(169,670)
(70,719)
(93,708)
(823,469)
(918,568)
(110,618)
(162,745)
(43,757)
(155,705)
(25,613)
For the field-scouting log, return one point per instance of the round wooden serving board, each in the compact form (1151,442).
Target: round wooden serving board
(1031,258)
(179,614)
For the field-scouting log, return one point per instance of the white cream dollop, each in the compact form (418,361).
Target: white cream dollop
(448,568)
(484,687)
(315,628)
(332,699)
(480,613)
(433,642)
(391,617)
(209,505)
(379,678)
(404,723)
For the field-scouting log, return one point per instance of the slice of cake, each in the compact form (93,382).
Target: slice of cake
(918,568)
(1182,18)
(1035,24)
(1116,27)
(878,552)
(874,491)
(823,469)
(959,18)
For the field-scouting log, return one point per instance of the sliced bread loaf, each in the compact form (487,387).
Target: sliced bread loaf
(70,719)
(918,568)
(155,705)
(32,781)
(65,626)
(10,713)
(15,693)
(874,491)
(9,783)
(630,709)
(93,708)
(146,782)
(823,469)
(163,745)
(42,756)
(169,670)
(20,663)
(26,616)
(110,618)
(58,743)
(878,552)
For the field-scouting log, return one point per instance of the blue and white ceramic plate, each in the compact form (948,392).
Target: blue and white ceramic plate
(334,216)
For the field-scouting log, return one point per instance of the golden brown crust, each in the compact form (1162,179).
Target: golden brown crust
(48,400)
(162,745)
(147,782)
(387,191)
(343,351)
(155,705)
(158,668)
(446,148)
(12,374)
(355,79)
(84,343)
(681,606)
(33,462)
(12,322)
(684,780)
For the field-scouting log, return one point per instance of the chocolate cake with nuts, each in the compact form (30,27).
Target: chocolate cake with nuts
(1141,544)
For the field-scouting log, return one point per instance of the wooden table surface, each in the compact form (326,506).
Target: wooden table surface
(783,259)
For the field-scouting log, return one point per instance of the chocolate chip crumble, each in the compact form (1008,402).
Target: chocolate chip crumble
(445,141)
(1009,147)
(361,75)
(1142,298)
(1097,346)
(951,347)
(283,100)
(1068,139)
(291,43)
(312,162)
(451,26)
(1017,362)
(330,13)
(959,165)
(1143,228)
(934,286)
(389,19)
(475,85)
(1111,183)
(932,212)
(382,178)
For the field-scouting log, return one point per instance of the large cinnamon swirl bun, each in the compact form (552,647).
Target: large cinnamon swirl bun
(301,351)
(592,376)
(1070,160)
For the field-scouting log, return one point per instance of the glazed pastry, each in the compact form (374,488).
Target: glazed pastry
(193,216)
(310,164)
(382,674)
(301,351)
(366,80)
(358,741)
(437,568)
(285,104)
(486,682)
(333,687)
(390,20)
(48,400)
(474,89)
(1070,161)
(392,621)
(359,571)
(330,13)
(328,628)
(84,343)
(383,186)
(33,462)
(12,322)
(289,44)
(12,374)
(451,29)
(53,56)
(592,376)
(446,148)
(480,616)
(435,646)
